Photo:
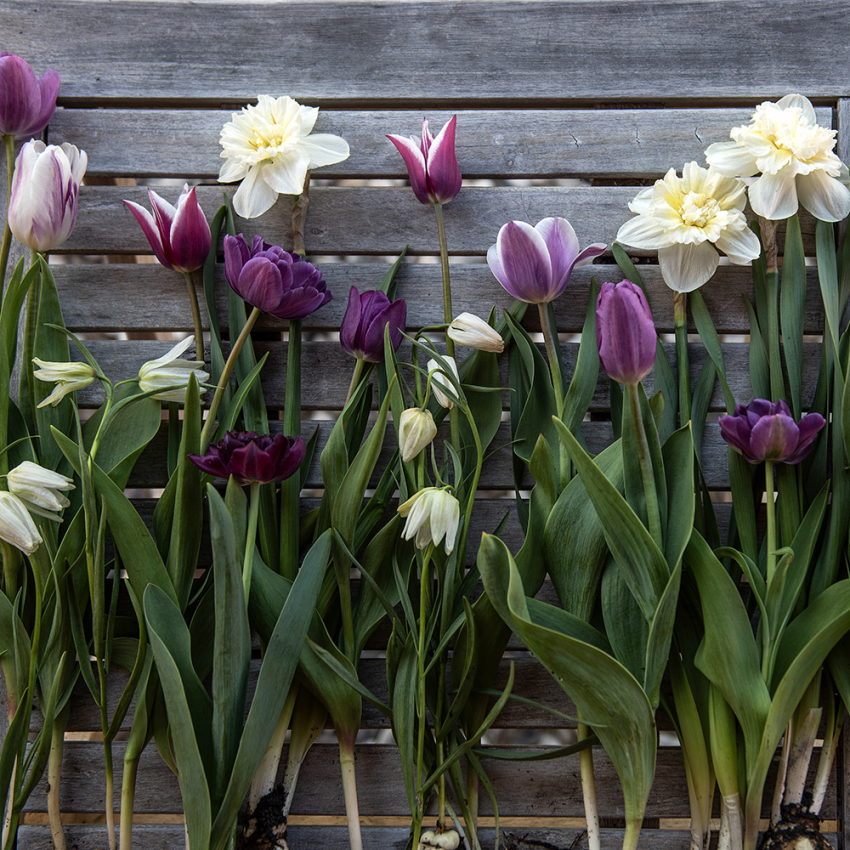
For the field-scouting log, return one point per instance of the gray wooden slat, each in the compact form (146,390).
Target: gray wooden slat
(842,122)
(93,837)
(334,51)
(501,143)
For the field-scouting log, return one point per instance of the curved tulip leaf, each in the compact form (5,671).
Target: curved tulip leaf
(625,625)
(586,372)
(660,636)
(792,309)
(678,455)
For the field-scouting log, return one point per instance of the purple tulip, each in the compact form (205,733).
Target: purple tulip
(27,103)
(765,430)
(272,279)
(534,264)
(180,237)
(252,458)
(431,163)
(625,333)
(362,331)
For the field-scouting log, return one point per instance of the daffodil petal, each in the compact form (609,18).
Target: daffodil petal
(687,267)
(823,196)
(731,159)
(643,232)
(740,246)
(774,196)
(254,195)
(324,149)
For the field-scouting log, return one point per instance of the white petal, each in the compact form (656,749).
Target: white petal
(687,267)
(740,245)
(254,196)
(802,103)
(308,116)
(731,159)
(774,196)
(232,170)
(643,231)
(825,197)
(324,149)
(286,174)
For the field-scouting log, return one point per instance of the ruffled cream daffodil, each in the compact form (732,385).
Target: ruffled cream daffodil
(686,219)
(794,157)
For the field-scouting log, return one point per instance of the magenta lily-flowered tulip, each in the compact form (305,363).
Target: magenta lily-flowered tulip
(180,236)
(765,430)
(362,331)
(253,458)
(27,102)
(625,333)
(272,279)
(534,264)
(431,163)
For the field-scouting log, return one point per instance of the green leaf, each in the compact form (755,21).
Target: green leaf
(759,368)
(792,309)
(828,277)
(660,635)
(678,453)
(586,372)
(711,341)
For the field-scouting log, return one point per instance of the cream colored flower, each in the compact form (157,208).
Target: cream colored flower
(416,430)
(685,219)
(68,377)
(16,525)
(269,148)
(168,371)
(469,329)
(794,156)
(441,383)
(41,490)
(432,514)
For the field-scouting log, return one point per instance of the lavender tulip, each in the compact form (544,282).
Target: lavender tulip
(180,237)
(625,333)
(272,279)
(253,458)
(27,103)
(534,264)
(431,163)
(362,331)
(43,205)
(766,431)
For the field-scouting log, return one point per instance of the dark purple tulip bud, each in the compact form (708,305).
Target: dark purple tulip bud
(272,279)
(765,430)
(625,333)
(431,163)
(362,331)
(253,458)
(27,103)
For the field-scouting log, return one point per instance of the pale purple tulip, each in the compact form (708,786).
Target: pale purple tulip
(43,205)
(180,236)
(431,163)
(27,102)
(362,331)
(625,333)
(534,264)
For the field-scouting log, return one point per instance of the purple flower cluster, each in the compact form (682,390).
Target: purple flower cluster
(253,458)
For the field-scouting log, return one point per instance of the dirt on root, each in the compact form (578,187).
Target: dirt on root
(798,829)
(265,827)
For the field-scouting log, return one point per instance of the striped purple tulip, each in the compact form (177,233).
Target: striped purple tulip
(27,102)
(625,333)
(362,331)
(253,458)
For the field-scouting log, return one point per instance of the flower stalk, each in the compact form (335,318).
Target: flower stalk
(680,325)
(448,313)
(646,471)
(6,245)
(290,515)
(196,316)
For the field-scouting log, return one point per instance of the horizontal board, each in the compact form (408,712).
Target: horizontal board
(438,51)
(617,143)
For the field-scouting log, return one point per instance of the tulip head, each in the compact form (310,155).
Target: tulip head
(43,204)
(68,377)
(625,333)
(534,264)
(253,458)
(469,329)
(272,279)
(441,383)
(171,374)
(27,102)
(180,236)
(416,430)
(766,431)
(362,331)
(431,163)
(432,514)
(16,525)
(41,490)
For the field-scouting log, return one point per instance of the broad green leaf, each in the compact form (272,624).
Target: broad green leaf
(660,635)
(625,625)
(678,455)
(759,368)
(792,310)
(828,277)
(586,372)
(711,341)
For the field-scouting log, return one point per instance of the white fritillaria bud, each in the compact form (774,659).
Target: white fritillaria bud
(445,840)
(469,329)
(16,525)
(441,384)
(41,490)
(68,378)
(416,430)
(169,372)
(432,514)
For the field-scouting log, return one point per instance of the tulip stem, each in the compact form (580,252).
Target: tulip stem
(553,355)
(196,316)
(6,246)
(250,540)
(448,313)
(680,324)
(206,434)
(290,489)
(646,471)
(424,579)
(771,520)
(355,378)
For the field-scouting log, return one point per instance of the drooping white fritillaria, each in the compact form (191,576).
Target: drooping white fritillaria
(432,514)
(270,148)
(416,431)
(171,374)
(686,219)
(469,329)
(794,157)
(16,525)
(441,382)
(41,490)
(68,377)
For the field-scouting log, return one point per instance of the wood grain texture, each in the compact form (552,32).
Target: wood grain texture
(436,51)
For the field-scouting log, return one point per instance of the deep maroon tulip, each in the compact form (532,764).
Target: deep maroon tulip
(362,331)
(272,279)
(27,103)
(766,431)
(253,458)
(625,333)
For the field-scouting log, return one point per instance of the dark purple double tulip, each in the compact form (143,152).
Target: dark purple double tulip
(362,331)
(766,431)
(27,102)
(253,458)
(625,333)
(272,279)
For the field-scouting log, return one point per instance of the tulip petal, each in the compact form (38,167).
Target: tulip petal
(774,196)
(350,323)
(823,196)
(372,343)
(415,163)
(524,258)
(442,168)
(562,244)
(163,214)
(774,437)
(18,92)
(589,254)
(190,234)
(254,195)
(149,228)
(731,159)
(687,267)
(324,149)
(260,284)
(48,85)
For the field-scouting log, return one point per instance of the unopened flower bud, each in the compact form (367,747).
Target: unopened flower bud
(168,372)
(16,525)
(441,384)
(446,840)
(416,430)
(469,329)
(68,378)
(41,490)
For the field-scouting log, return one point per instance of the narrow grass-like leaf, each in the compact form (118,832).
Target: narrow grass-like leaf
(792,310)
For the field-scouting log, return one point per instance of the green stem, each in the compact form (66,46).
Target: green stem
(196,316)
(771,520)
(355,378)
(54,776)
(553,355)
(646,471)
(6,245)
(588,787)
(251,539)
(680,325)
(128,797)
(349,789)
(30,328)
(110,790)
(290,489)
(424,580)
(448,313)
(11,568)
(632,834)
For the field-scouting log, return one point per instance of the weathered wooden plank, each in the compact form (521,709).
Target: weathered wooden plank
(436,51)
(617,143)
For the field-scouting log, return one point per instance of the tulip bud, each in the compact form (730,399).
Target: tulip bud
(416,430)
(441,384)
(16,525)
(432,514)
(27,103)
(625,333)
(43,204)
(41,490)
(447,839)
(68,377)
(469,329)
(362,331)
(169,371)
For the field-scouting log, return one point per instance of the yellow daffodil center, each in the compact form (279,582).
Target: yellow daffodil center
(273,138)
(697,210)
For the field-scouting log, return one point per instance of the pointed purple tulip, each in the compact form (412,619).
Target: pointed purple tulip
(625,333)
(272,279)
(431,163)
(765,430)
(534,264)
(180,236)
(27,103)
(362,331)
(253,458)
